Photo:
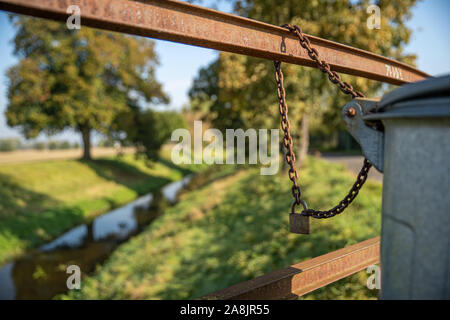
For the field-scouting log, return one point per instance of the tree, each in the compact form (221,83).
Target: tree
(238,90)
(147,129)
(78,79)
(39,146)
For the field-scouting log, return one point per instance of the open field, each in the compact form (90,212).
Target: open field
(40,200)
(236,228)
(35,155)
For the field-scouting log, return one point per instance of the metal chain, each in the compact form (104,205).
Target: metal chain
(287,140)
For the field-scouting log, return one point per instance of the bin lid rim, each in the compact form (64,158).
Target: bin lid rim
(431,88)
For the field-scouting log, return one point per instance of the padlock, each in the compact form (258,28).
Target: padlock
(298,223)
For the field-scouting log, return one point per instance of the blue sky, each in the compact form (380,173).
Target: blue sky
(179,63)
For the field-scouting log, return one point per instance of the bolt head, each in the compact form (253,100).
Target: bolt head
(351,112)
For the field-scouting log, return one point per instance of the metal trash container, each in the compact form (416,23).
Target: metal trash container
(408,138)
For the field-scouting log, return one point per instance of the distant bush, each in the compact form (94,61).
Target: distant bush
(9,144)
(106,143)
(59,145)
(53,145)
(65,145)
(39,146)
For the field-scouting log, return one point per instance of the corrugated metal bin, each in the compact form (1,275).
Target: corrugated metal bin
(412,148)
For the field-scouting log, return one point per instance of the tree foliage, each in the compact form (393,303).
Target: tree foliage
(237,90)
(146,129)
(78,79)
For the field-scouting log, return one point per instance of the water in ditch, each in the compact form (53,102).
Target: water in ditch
(41,273)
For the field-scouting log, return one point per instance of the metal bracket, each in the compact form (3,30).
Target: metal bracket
(371,140)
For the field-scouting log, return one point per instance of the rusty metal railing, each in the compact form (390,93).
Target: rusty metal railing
(189,24)
(185,23)
(307,276)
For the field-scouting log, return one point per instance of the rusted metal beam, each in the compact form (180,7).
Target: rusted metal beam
(185,23)
(304,277)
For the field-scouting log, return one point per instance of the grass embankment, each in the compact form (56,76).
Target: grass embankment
(234,229)
(40,200)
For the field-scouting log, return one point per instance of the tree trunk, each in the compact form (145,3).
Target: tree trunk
(304,139)
(86,135)
(90,233)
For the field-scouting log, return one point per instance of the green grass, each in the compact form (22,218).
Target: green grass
(40,200)
(233,229)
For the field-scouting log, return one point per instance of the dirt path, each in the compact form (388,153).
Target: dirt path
(34,155)
(354,164)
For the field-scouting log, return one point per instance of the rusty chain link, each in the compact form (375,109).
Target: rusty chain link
(287,140)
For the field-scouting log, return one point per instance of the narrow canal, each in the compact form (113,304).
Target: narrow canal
(41,273)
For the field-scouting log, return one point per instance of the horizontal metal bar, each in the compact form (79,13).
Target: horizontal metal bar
(185,23)
(304,277)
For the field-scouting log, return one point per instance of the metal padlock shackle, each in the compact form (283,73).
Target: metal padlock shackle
(302,202)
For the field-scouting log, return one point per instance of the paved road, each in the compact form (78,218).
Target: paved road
(354,164)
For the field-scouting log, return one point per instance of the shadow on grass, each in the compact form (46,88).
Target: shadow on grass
(208,176)
(185,171)
(28,218)
(130,176)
